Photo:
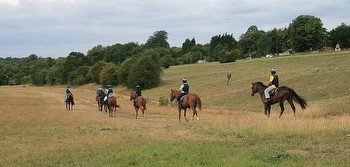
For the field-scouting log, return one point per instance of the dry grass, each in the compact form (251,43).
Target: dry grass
(36,130)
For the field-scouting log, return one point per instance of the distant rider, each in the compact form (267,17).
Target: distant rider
(273,83)
(137,93)
(100,92)
(109,91)
(184,89)
(68,91)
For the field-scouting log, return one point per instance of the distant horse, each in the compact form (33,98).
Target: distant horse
(69,101)
(100,102)
(112,106)
(140,103)
(191,101)
(281,94)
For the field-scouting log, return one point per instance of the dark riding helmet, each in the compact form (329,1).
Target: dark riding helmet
(184,80)
(273,71)
(68,86)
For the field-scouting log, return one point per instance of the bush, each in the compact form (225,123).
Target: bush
(163,101)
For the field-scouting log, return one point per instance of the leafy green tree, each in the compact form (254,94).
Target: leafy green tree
(306,32)
(95,54)
(219,42)
(146,71)
(125,70)
(168,61)
(340,35)
(95,71)
(230,56)
(187,45)
(158,39)
(109,74)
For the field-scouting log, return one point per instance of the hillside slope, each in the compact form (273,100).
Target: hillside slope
(322,79)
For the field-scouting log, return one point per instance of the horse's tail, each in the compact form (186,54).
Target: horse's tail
(199,103)
(300,100)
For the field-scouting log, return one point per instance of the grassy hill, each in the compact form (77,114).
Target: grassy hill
(36,130)
(321,78)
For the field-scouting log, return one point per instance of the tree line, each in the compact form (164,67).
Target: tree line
(134,64)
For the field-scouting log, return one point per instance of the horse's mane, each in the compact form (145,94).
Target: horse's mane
(259,84)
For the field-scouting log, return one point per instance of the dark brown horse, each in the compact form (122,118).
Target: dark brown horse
(101,103)
(281,94)
(69,101)
(112,106)
(191,101)
(140,103)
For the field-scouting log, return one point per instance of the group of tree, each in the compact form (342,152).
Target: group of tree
(134,64)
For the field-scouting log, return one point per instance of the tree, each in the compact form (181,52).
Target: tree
(226,42)
(187,45)
(146,71)
(95,54)
(95,71)
(306,32)
(158,39)
(109,74)
(340,35)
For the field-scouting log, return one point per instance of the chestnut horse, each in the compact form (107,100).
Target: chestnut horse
(191,101)
(69,101)
(112,106)
(282,93)
(140,103)
(100,102)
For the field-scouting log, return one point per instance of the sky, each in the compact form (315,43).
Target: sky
(54,28)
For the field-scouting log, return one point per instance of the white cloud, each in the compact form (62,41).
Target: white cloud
(33,25)
(10,2)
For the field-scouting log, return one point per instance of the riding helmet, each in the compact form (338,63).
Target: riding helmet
(184,80)
(273,70)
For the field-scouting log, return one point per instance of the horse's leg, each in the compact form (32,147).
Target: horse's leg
(282,109)
(290,101)
(185,114)
(179,114)
(266,107)
(136,112)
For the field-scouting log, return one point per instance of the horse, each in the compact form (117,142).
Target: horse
(190,100)
(100,102)
(281,94)
(139,103)
(112,106)
(69,101)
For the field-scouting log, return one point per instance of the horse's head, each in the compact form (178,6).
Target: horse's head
(257,87)
(254,89)
(174,94)
(132,95)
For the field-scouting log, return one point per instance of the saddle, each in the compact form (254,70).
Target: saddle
(273,91)
(182,98)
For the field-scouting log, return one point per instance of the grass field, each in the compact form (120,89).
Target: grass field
(36,130)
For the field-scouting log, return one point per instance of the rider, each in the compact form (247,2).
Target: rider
(100,91)
(273,83)
(137,93)
(68,91)
(184,89)
(109,91)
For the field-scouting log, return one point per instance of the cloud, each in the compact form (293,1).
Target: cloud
(9,2)
(58,27)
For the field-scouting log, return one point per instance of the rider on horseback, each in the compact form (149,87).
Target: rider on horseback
(100,92)
(184,89)
(109,92)
(137,93)
(273,83)
(68,92)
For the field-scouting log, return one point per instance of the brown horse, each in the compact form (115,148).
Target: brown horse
(69,101)
(281,94)
(100,102)
(112,106)
(191,101)
(140,103)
